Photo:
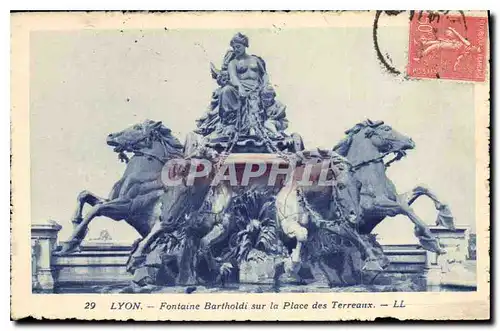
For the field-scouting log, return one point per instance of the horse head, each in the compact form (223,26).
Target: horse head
(382,139)
(142,136)
(333,180)
(386,139)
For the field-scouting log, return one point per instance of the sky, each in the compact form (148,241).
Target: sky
(86,84)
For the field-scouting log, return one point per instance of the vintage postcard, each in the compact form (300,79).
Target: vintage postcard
(262,166)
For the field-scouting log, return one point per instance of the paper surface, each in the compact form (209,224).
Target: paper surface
(78,77)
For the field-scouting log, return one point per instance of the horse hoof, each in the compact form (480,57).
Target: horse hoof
(68,248)
(372,266)
(135,262)
(190,289)
(433,247)
(65,251)
(441,251)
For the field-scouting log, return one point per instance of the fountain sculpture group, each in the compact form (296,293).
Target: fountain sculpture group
(198,232)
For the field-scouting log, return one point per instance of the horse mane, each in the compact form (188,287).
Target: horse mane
(344,145)
(172,145)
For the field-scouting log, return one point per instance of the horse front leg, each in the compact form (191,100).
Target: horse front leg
(328,272)
(444,218)
(85,197)
(301,234)
(422,232)
(372,260)
(187,262)
(114,209)
(138,255)
(292,229)
(217,233)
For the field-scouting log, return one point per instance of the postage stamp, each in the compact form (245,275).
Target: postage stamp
(240,166)
(448,47)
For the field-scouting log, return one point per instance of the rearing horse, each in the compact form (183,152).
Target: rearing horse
(365,146)
(135,197)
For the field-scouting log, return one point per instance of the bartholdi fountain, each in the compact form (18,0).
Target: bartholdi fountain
(251,231)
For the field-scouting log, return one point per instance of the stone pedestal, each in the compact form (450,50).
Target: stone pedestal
(43,244)
(449,268)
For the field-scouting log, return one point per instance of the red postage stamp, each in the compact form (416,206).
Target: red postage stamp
(448,47)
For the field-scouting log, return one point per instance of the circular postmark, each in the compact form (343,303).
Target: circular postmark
(393,58)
